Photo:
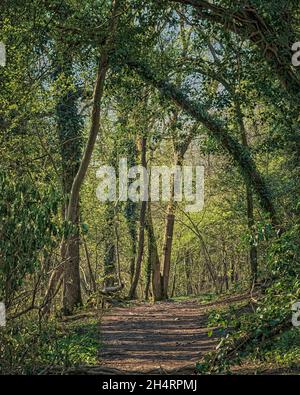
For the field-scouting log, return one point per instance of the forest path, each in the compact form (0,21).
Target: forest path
(165,335)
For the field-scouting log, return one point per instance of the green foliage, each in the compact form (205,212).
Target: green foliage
(283,351)
(195,70)
(28,230)
(31,348)
(273,311)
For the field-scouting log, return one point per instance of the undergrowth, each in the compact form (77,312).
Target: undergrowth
(266,332)
(30,348)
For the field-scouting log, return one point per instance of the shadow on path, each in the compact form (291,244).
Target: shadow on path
(166,335)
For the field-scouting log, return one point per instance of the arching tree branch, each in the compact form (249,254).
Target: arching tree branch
(247,23)
(217,130)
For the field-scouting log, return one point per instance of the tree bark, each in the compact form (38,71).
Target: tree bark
(138,265)
(167,248)
(174,281)
(253,253)
(148,270)
(69,132)
(109,263)
(188,272)
(133,235)
(70,292)
(93,285)
(180,150)
(131,210)
(225,265)
(155,262)
(69,129)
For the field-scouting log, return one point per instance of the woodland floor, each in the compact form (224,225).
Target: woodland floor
(167,335)
(162,338)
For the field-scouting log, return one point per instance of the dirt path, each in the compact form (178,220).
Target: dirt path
(166,335)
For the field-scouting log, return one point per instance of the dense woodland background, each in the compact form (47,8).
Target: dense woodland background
(161,83)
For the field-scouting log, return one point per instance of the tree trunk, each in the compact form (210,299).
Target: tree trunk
(70,141)
(174,281)
(70,287)
(253,249)
(180,150)
(130,214)
(138,265)
(93,285)
(167,246)
(69,131)
(53,288)
(253,254)
(155,262)
(225,270)
(109,263)
(188,273)
(232,271)
(148,272)
(151,251)
(169,228)
(69,127)
(131,209)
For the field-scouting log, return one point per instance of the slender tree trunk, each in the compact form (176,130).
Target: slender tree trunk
(201,279)
(168,237)
(180,150)
(208,261)
(167,246)
(151,253)
(188,273)
(225,271)
(225,265)
(131,210)
(109,247)
(138,265)
(88,261)
(232,271)
(132,260)
(174,280)
(118,260)
(253,254)
(155,262)
(130,214)
(207,258)
(148,271)
(70,294)
(53,288)
(71,285)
